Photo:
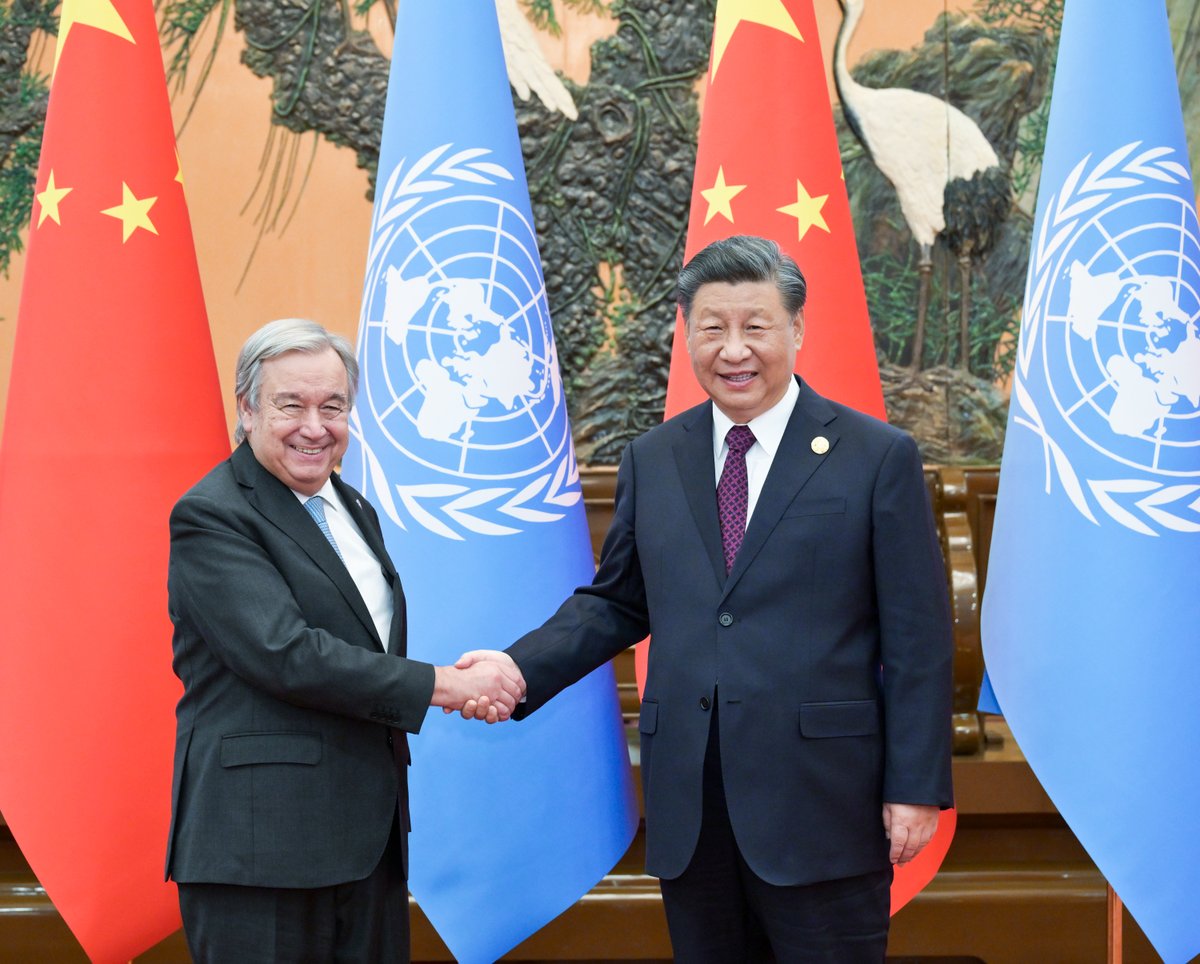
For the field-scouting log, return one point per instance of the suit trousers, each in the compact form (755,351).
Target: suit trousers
(359,922)
(720,912)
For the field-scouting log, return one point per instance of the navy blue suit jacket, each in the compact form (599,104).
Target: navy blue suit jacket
(829,644)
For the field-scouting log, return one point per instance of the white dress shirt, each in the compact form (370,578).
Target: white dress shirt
(768,431)
(361,563)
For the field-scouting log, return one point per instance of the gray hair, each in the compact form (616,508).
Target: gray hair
(277,338)
(742,257)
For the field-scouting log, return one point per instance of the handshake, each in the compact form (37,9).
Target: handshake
(484,684)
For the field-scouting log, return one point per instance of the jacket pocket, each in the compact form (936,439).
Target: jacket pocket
(801,507)
(648,717)
(840,718)
(246,749)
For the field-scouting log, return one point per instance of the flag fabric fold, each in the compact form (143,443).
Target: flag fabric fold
(460,438)
(1090,613)
(767,163)
(113,411)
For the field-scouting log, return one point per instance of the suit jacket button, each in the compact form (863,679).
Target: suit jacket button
(725,619)
(704,703)
(389,739)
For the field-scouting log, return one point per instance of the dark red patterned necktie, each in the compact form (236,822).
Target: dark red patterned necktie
(733,494)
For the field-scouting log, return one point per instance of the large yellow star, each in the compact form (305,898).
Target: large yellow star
(132,212)
(807,211)
(100,14)
(720,196)
(730,13)
(50,199)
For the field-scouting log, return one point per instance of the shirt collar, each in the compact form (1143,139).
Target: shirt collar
(326,492)
(768,428)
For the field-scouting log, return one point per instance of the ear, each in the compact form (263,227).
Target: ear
(798,328)
(245,416)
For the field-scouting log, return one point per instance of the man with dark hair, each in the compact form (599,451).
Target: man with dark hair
(290,806)
(779,549)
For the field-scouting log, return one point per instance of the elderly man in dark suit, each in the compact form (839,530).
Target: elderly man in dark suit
(289,810)
(779,549)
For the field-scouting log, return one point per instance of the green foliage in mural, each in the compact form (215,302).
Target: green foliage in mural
(891,285)
(17,187)
(23,97)
(181,24)
(541,12)
(1045,17)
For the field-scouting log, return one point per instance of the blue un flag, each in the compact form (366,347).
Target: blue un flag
(460,438)
(1091,613)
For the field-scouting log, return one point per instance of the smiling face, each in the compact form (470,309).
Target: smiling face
(299,432)
(743,344)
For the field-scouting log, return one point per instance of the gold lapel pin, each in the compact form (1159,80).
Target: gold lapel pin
(820,445)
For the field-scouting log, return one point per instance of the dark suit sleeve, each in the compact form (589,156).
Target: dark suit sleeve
(916,638)
(596,622)
(227,591)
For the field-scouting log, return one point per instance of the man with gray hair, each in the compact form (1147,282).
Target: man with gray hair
(780,551)
(289,811)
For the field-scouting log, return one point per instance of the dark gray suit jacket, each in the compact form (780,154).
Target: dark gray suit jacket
(829,643)
(290,751)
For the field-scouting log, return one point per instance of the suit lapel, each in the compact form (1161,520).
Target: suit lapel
(697,475)
(278,504)
(793,465)
(367,526)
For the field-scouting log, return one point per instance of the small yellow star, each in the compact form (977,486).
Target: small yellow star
(100,14)
(178,166)
(807,211)
(50,199)
(720,197)
(133,213)
(730,13)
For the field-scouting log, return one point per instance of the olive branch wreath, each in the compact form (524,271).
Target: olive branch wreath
(1082,191)
(443,508)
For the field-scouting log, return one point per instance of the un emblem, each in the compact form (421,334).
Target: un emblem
(459,373)
(1111,318)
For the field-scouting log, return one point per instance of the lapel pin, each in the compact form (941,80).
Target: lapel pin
(820,445)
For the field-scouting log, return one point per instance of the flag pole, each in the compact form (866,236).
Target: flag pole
(1114,926)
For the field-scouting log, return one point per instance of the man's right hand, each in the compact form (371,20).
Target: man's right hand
(479,688)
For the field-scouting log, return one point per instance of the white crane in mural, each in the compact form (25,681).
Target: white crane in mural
(528,69)
(932,153)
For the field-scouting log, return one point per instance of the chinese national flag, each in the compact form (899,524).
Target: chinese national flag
(114,409)
(767,164)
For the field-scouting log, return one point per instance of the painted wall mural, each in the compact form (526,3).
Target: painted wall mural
(940,141)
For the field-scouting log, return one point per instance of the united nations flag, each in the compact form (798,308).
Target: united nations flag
(1090,614)
(460,438)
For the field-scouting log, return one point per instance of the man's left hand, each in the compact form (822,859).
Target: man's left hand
(909,827)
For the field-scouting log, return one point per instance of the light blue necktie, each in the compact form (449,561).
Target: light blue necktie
(316,509)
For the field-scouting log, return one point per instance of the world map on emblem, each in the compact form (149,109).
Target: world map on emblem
(1121,338)
(458,368)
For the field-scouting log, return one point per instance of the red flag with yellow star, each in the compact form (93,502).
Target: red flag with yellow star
(767,163)
(114,409)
